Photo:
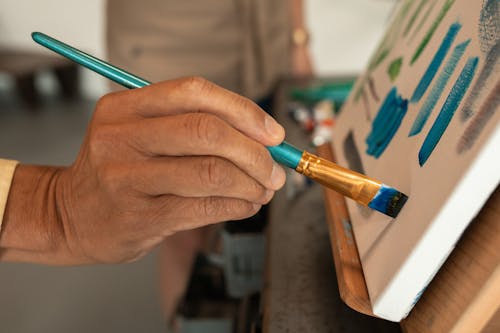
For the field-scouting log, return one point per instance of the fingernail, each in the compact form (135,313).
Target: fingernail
(273,128)
(277,176)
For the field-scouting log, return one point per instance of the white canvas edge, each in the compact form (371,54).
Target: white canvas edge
(431,251)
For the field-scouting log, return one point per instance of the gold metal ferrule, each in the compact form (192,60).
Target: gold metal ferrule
(347,182)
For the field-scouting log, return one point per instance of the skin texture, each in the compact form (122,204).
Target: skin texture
(155,161)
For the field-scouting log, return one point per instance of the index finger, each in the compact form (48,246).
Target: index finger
(196,94)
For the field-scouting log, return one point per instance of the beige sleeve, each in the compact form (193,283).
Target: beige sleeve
(7,168)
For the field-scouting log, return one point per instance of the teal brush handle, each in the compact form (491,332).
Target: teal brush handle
(284,153)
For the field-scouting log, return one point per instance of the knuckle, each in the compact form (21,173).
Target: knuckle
(104,103)
(258,158)
(211,207)
(217,209)
(242,105)
(213,173)
(195,84)
(207,129)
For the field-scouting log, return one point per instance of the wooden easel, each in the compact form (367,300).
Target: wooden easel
(465,294)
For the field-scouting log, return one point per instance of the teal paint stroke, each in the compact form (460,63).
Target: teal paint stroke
(386,123)
(448,110)
(438,88)
(435,63)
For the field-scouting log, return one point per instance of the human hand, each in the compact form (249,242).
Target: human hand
(169,157)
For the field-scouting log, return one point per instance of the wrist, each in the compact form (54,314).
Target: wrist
(32,223)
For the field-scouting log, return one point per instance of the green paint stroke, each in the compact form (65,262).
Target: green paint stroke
(385,46)
(394,68)
(379,58)
(431,31)
(422,20)
(404,11)
(359,91)
(414,17)
(390,37)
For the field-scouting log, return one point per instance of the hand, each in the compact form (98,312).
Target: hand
(155,161)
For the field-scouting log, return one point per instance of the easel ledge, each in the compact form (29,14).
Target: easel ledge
(465,294)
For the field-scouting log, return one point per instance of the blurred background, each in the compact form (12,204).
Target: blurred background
(45,105)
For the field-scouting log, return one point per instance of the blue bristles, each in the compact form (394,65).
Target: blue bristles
(388,201)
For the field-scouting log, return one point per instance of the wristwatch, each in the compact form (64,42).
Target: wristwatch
(300,37)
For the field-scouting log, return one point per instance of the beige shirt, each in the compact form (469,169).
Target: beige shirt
(242,45)
(7,168)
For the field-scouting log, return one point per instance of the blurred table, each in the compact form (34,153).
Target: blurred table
(23,66)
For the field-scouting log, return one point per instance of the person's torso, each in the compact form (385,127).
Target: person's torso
(240,44)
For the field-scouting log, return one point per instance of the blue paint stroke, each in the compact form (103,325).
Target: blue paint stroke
(438,88)
(431,71)
(448,110)
(386,123)
(346,223)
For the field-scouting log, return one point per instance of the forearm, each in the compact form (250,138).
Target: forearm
(32,229)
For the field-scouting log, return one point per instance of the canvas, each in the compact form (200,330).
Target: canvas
(424,119)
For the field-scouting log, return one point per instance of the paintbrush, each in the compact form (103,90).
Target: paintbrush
(365,190)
